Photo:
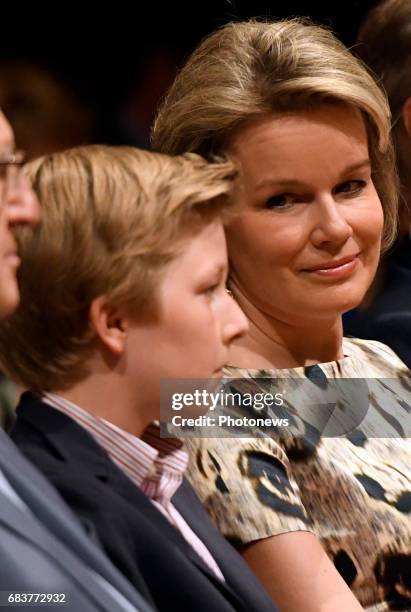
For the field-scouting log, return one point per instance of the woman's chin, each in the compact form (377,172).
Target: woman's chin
(333,309)
(339,300)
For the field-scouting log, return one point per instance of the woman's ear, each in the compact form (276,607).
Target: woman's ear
(110,324)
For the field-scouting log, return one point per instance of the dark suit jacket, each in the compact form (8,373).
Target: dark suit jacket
(136,536)
(45,550)
(388,318)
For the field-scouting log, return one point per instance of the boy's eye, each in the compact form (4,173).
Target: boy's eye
(216,287)
(212,289)
(216,283)
(351,187)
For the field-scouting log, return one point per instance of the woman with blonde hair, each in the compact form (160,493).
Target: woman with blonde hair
(317,201)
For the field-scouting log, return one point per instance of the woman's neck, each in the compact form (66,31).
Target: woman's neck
(273,342)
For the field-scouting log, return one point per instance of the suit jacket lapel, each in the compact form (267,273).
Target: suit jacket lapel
(190,508)
(118,481)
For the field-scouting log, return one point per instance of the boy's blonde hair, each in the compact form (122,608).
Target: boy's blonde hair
(251,69)
(112,218)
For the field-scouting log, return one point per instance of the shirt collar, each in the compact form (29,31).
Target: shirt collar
(156,465)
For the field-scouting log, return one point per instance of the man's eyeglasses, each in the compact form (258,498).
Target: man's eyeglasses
(10,166)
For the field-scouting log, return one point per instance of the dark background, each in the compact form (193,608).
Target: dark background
(117,60)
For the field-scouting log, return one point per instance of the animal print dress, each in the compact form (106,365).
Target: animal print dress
(352,492)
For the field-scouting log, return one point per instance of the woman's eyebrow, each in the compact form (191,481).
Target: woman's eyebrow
(292,183)
(272,182)
(360,165)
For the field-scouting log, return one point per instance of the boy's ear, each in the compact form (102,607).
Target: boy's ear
(110,324)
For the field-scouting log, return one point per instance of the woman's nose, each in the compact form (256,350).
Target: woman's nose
(330,226)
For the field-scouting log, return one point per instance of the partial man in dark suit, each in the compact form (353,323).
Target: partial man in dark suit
(384,43)
(44,550)
(388,316)
(125,286)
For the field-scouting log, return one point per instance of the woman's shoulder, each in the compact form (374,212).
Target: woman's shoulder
(376,359)
(246,486)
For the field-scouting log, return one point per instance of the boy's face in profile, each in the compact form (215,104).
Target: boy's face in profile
(18,205)
(197,319)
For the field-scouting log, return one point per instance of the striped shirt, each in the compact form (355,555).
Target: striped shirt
(155,465)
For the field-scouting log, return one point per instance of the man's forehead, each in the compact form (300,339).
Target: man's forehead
(6,135)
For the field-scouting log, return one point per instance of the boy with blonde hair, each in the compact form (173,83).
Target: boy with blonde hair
(44,554)
(123,285)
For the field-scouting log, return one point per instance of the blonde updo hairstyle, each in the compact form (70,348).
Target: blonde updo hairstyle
(250,69)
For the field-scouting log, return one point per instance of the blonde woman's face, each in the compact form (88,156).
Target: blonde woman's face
(306,243)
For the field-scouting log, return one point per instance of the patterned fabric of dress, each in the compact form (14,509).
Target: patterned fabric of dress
(353,492)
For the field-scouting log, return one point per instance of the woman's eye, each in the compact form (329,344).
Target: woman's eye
(351,187)
(282,200)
